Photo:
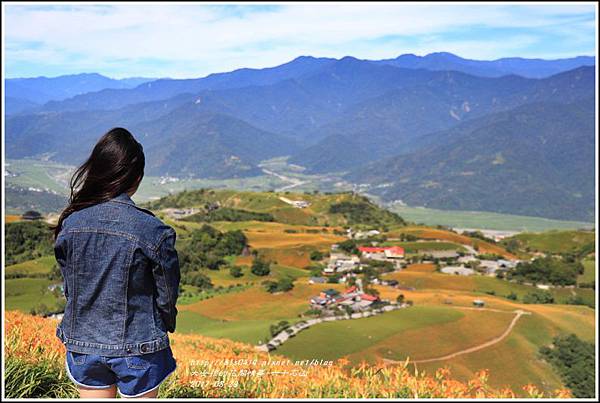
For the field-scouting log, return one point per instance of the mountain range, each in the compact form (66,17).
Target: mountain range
(405,126)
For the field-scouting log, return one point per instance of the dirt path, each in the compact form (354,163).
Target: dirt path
(512,324)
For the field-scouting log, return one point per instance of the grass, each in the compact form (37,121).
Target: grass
(32,268)
(25,293)
(328,340)
(484,220)
(508,358)
(421,267)
(516,358)
(439,339)
(589,274)
(245,331)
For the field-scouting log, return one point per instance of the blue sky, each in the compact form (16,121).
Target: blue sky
(193,40)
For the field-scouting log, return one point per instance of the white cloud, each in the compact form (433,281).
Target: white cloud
(191,40)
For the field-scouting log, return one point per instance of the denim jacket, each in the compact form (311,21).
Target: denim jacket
(121,279)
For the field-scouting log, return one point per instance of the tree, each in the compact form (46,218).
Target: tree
(574,360)
(270,285)
(538,297)
(348,246)
(286,284)
(260,267)
(198,279)
(547,270)
(512,296)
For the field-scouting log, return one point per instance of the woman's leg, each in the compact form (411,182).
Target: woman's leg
(89,393)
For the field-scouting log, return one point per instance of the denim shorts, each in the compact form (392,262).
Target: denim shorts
(134,375)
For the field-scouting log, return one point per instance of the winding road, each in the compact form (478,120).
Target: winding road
(489,343)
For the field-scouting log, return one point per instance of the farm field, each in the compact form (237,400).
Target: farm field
(416,247)
(445,235)
(478,284)
(484,220)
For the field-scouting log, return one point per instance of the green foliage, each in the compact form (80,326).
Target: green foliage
(334,278)
(512,296)
(574,360)
(270,285)
(547,270)
(284,284)
(236,271)
(364,212)
(206,248)
(26,240)
(478,235)
(578,300)
(538,297)
(316,255)
(260,267)
(349,246)
(229,214)
(197,279)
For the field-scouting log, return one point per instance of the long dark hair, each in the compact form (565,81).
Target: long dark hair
(115,166)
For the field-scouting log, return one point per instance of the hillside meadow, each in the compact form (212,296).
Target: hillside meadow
(35,368)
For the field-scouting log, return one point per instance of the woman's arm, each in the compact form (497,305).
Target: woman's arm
(166,275)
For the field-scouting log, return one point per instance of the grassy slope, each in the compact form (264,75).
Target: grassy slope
(326,340)
(39,266)
(554,241)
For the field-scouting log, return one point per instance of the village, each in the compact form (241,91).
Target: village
(344,268)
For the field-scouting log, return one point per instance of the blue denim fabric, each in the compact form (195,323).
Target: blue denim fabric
(121,279)
(134,375)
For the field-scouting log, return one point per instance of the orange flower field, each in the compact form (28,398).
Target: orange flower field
(209,367)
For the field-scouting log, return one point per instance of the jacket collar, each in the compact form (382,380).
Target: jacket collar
(123,198)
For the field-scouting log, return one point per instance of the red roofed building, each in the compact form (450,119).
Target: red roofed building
(351,289)
(392,252)
(368,297)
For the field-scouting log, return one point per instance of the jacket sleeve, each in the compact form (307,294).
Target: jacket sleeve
(60,255)
(166,276)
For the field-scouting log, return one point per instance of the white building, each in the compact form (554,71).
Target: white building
(460,270)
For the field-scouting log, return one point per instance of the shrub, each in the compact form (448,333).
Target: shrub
(538,297)
(236,271)
(260,267)
(316,255)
